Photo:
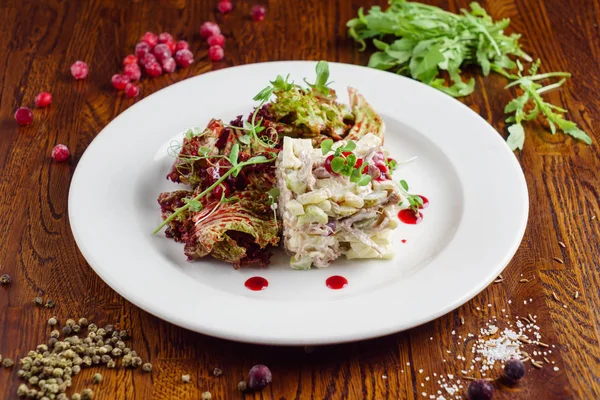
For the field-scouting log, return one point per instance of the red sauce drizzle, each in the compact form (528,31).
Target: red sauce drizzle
(408,216)
(403,240)
(257,283)
(425,201)
(336,282)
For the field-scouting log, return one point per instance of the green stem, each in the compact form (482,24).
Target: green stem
(551,87)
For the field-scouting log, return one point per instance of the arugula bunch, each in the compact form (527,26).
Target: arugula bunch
(346,164)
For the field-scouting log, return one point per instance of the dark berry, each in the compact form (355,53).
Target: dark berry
(79,70)
(184,58)
(130,59)
(222,189)
(150,38)
(24,115)
(119,81)
(258,13)
(169,65)
(43,100)
(60,153)
(131,90)
(216,40)
(153,69)
(225,6)
(216,53)
(259,377)
(208,29)
(480,390)
(133,72)
(182,44)
(141,49)
(514,370)
(161,51)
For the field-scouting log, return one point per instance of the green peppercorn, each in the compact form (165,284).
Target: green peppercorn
(83,322)
(185,378)
(242,386)
(50,304)
(111,364)
(206,396)
(5,279)
(147,367)
(38,301)
(76,396)
(87,394)
(52,321)
(97,378)
(7,363)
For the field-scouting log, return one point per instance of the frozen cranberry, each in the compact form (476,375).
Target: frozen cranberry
(141,49)
(169,65)
(182,44)
(133,72)
(150,38)
(184,58)
(225,6)
(208,29)
(130,59)
(216,40)
(514,370)
(79,70)
(259,377)
(119,81)
(480,390)
(43,100)
(153,69)
(258,13)
(24,116)
(60,153)
(162,52)
(131,90)
(223,188)
(167,38)
(148,59)
(216,53)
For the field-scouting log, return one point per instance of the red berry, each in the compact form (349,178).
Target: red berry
(222,188)
(131,90)
(150,38)
(153,69)
(208,29)
(162,52)
(119,81)
(216,40)
(130,59)
(79,70)
(259,376)
(216,53)
(182,44)
(43,99)
(24,116)
(60,153)
(258,13)
(133,72)
(328,165)
(169,65)
(184,58)
(141,49)
(167,38)
(225,6)
(148,59)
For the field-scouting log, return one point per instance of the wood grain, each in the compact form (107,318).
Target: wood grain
(41,39)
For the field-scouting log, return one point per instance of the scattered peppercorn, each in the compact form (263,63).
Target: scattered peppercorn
(38,301)
(206,396)
(52,321)
(76,328)
(87,394)
(97,378)
(217,372)
(76,396)
(55,333)
(83,322)
(185,378)
(66,330)
(147,367)
(242,386)
(50,304)
(111,364)
(5,279)
(7,363)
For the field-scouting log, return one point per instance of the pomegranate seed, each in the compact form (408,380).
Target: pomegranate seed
(43,100)
(150,38)
(328,165)
(216,53)
(169,65)
(79,70)
(162,52)
(153,69)
(60,153)
(148,59)
(184,58)
(141,49)
(208,29)
(133,72)
(258,13)
(24,115)
(130,59)
(119,81)
(216,40)
(225,6)
(131,90)
(181,45)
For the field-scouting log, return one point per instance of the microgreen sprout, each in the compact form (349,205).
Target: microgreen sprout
(321,84)
(273,195)
(345,163)
(414,201)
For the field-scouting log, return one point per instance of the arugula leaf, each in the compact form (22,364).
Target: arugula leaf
(516,137)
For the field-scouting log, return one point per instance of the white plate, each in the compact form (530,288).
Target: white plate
(473,226)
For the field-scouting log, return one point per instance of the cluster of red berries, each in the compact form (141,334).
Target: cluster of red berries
(258,12)
(156,54)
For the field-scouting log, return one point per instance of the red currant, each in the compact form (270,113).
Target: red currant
(216,40)
(182,44)
(119,81)
(79,70)
(225,6)
(133,72)
(60,153)
(130,59)
(208,29)
(216,53)
(162,51)
(184,58)
(169,65)
(24,116)
(153,69)
(131,90)
(258,13)
(150,38)
(141,49)
(43,100)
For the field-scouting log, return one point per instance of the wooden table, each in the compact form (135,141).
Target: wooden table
(41,39)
